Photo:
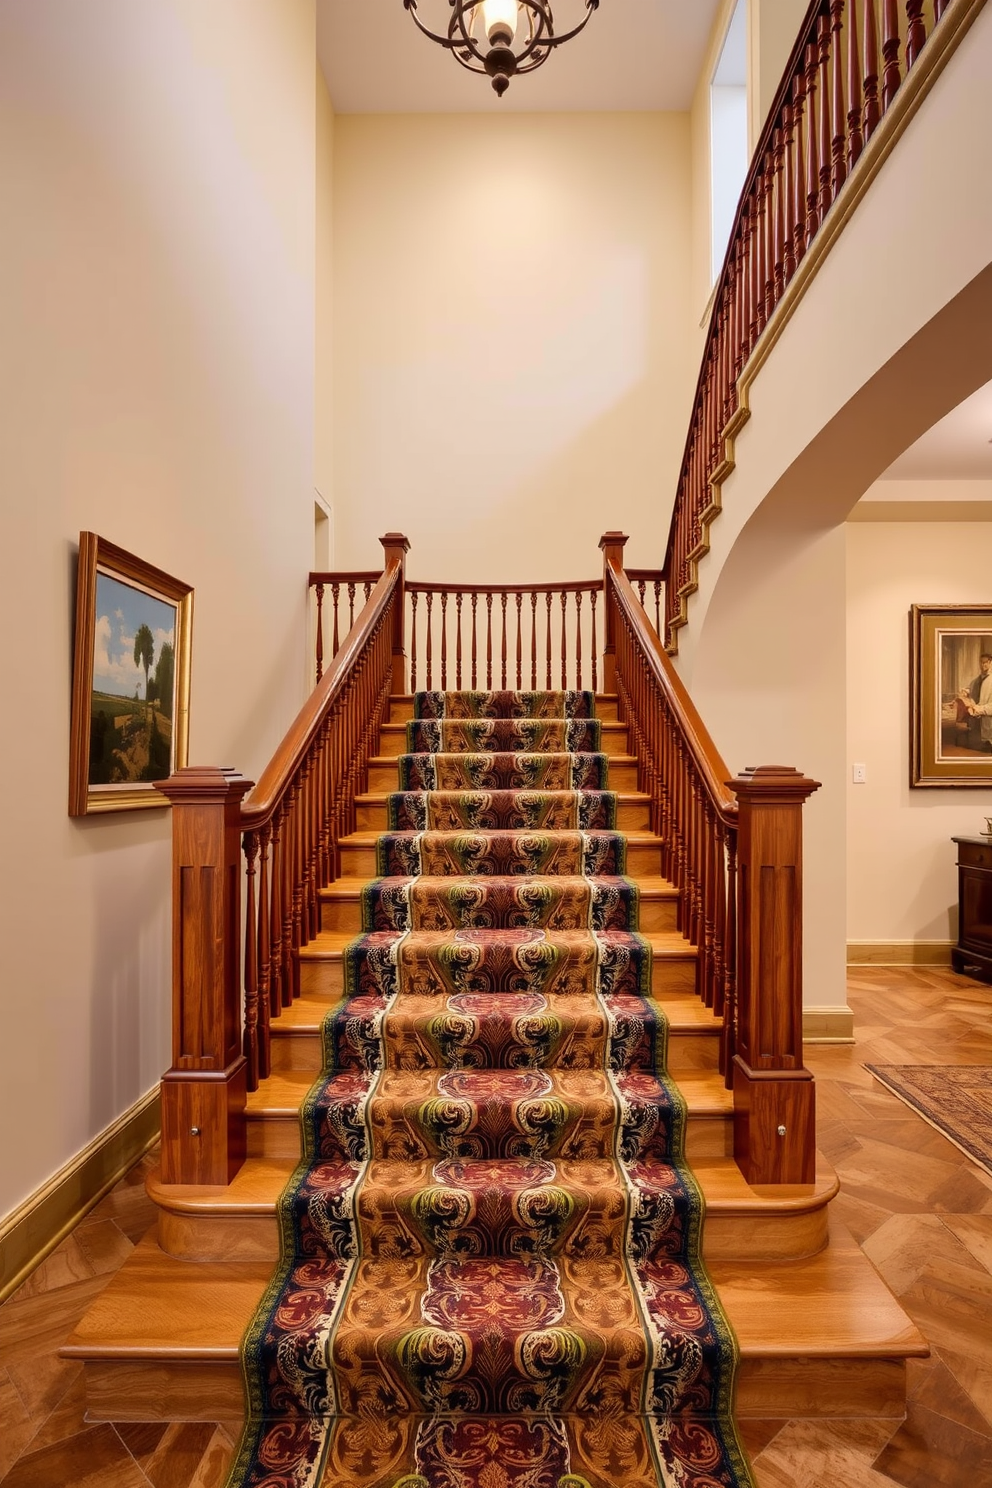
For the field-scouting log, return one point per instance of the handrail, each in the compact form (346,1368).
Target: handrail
(569,586)
(840,80)
(259,805)
(705,755)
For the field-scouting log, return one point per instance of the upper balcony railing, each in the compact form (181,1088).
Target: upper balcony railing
(846,71)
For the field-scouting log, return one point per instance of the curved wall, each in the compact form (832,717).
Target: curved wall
(892,334)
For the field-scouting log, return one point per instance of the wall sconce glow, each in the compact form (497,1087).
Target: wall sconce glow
(517,35)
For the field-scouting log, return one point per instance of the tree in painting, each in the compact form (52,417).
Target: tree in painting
(144,651)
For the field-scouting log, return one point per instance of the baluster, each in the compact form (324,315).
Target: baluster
(520,654)
(264,955)
(444,640)
(578,639)
(475,606)
(458,641)
(729,1038)
(890,52)
(872,110)
(275,917)
(768,274)
(533,639)
(413,640)
(429,598)
(751,265)
(939,6)
(799,166)
(367,589)
(823,62)
(916,33)
(564,642)
(779,276)
(812,159)
(250,1035)
(641,585)
(548,643)
(489,641)
(595,649)
(788,193)
(503,652)
(855,139)
(351,604)
(838,171)
(288,867)
(320,631)
(335,595)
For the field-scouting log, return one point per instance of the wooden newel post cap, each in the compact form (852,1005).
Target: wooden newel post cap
(204,783)
(775,784)
(613,540)
(395,540)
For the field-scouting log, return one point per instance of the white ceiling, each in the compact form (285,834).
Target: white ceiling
(633,55)
(959,447)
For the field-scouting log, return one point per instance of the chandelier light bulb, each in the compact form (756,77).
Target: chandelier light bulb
(499,21)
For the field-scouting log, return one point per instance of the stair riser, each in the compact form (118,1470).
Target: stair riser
(401,709)
(776,1389)
(301,1051)
(345,915)
(372,816)
(326,978)
(360,861)
(726,1237)
(622,777)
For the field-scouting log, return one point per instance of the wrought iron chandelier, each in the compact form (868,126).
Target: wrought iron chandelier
(502,37)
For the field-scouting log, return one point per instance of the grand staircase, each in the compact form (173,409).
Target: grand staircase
(502,919)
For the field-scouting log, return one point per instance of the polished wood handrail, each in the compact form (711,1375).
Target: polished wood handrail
(569,586)
(733,850)
(849,61)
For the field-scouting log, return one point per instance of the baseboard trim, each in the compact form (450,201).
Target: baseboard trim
(828,1025)
(899,952)
(34,1229)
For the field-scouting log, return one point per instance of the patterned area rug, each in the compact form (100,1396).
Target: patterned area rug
(955,1098)
(491,1269)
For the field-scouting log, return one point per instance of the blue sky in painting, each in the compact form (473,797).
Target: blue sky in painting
(120,609)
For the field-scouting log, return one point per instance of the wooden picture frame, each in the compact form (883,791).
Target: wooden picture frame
(950,746)
(130,696)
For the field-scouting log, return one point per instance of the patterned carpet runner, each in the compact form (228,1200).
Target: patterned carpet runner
(491,1272)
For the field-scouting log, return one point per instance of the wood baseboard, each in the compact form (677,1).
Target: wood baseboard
(899,952)
(35,1227)
(828,1025)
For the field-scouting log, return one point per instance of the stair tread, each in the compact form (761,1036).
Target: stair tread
(369,838)
(832,1304)
(260,1181)
(615,759)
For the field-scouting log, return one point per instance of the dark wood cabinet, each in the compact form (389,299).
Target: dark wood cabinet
(973,952)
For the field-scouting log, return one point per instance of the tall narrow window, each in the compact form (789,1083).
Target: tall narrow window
(728,134)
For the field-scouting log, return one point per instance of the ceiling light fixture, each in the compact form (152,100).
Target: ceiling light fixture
(502,37)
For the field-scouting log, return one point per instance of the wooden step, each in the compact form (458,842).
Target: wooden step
(674,964)
(384,775)
(341,908)
(238,1223)
(401,706)
(819,1336)
(358,854)
(392,739)
(633,812)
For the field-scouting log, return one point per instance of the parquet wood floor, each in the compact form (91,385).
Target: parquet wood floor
(921,1211)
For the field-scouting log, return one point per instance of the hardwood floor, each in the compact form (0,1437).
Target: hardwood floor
(919,1208)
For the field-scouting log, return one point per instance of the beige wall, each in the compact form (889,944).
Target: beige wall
(773,28)
(323,444)
(157,175)
(512,335)
(902,880)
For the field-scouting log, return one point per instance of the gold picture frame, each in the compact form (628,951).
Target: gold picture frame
(950,650)
(130,680)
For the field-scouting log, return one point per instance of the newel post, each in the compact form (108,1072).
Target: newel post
(396,546)
(612,544)
(774,1102)
(204,1093)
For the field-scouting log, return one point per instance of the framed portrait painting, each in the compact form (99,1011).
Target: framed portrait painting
(130,681)
(951,695)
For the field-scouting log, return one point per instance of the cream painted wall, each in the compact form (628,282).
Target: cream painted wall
(512,338)
(902,879)
(323,445)
(773,28)
(156,373)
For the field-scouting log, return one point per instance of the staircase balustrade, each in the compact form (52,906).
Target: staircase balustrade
(733,849)
(846,69)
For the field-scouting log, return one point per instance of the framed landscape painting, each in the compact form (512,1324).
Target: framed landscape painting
(130,680)
(951,695)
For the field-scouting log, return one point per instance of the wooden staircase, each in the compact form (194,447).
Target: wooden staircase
(819,1333)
